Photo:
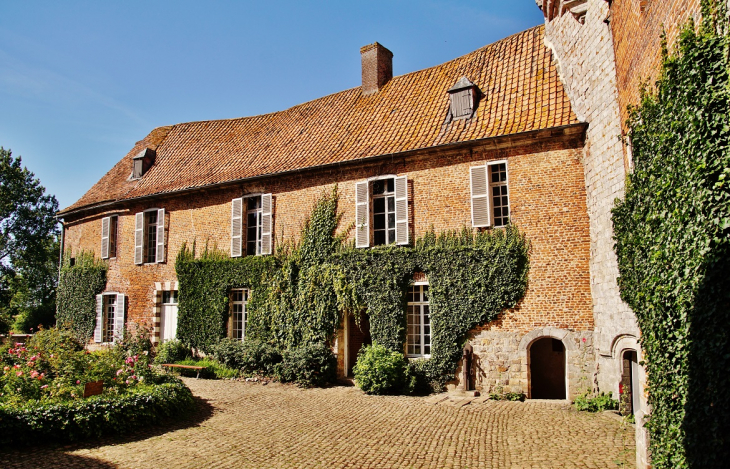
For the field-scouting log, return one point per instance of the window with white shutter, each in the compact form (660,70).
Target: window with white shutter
(119,318)
(99,325)
(105,222)
(401,210)
(139,238)
(160,250)
(499,193)
(266,223)
(109,325)
(236,227)
(479,196)
(362,214)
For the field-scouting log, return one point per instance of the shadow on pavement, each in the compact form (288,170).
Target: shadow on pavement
(40,455)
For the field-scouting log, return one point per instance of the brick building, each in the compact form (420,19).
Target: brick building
(486,139)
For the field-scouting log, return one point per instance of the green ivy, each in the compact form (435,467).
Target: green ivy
(78,286)
(299,295)
(672,234)
(472,278)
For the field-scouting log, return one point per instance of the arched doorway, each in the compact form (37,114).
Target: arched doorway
(629,386)
(547,369)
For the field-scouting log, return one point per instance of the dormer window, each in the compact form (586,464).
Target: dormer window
(142,162)
(463,95)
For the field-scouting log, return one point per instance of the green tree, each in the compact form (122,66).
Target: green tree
(28,245)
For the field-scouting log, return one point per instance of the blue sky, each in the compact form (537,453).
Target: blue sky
(81,82)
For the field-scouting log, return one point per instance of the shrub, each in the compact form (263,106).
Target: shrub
(381,371)
(172,351)
(250,356)
(308,365)
(92,417)
(595,403)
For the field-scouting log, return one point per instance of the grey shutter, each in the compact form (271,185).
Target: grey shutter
(105,237)
(119,318)
(160,251)
(99,318)
(266,224)
(479,196)
(138,237)
(401,210)
(362,214)
(236,227)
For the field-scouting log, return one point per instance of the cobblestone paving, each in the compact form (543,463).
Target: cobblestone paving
(249,425)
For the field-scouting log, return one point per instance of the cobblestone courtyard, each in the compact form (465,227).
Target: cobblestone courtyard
(247,425)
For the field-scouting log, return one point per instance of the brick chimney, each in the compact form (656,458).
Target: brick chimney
(377,67)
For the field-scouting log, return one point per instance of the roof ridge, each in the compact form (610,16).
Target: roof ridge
(359,86)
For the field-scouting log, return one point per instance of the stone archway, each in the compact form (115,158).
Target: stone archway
(569,351)
(547,369)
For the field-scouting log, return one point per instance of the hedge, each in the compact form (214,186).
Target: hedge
(94,416)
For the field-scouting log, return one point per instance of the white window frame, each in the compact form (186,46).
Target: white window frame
(240,225)
(492,197)
(259,213)
(422,335)
(365,211)
(243,303)
(106,236)
(102,326)
(141,241)
(482,197)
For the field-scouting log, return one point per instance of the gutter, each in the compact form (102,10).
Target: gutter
(511,140)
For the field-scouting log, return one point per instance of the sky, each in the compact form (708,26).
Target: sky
(81,82)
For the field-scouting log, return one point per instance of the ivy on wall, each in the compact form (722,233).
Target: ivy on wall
(78,286)
(299,295)
(672,234)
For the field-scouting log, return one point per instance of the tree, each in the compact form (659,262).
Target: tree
(28,242)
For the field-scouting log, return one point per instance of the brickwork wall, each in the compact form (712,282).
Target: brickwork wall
(547,198)
(637,41)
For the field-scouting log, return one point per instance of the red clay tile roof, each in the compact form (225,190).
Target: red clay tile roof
(520,89)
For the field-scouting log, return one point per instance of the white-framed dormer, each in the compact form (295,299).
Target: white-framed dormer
(149,236)
(251,225)
(110,311)
(489,188)
(381,211)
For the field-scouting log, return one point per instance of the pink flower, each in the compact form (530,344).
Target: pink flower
(584,339)
(120,371)
(78,381)
(44,386)
(16,366)
(34,358)
(133,377)
(126,381)
(34,374)
(19,373)
(6,368)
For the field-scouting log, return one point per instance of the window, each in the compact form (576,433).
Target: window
(489,195)
(251,221)
(383,211)
(239,317)
(383,205)
(109,324)
(149,236)
(137,168)
(462,99)
(109,237)
(418,318)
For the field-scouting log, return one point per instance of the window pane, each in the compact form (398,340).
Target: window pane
(391,220)
(379,238)
(379,221)
(378,187)
(391,204)
(379,205)
(391,236)
(390,184)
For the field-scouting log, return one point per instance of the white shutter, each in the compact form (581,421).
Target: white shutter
(479,196)
(99,318)
(119,318)
(362,214)
(160,251)
(236,227)
(105,237)
(401,210)
(138,237)
(266,224)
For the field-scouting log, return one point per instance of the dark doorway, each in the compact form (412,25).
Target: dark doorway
(629,387)
(547,369)
(357,337)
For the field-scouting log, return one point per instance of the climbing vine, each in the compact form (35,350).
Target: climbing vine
(299,295)
(78,286)
(672,235)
